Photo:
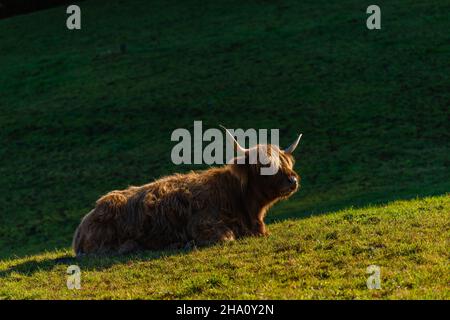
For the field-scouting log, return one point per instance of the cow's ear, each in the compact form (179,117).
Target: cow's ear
(240,169)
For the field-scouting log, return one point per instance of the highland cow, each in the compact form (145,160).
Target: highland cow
(194,209)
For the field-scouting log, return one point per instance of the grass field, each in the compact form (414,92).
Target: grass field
(80,118)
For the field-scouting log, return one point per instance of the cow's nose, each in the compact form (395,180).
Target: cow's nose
(293,180)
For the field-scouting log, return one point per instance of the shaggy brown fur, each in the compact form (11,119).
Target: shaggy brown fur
(200,208)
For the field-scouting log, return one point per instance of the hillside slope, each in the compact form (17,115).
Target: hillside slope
(315,258)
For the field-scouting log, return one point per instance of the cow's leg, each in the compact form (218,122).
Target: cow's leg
(128,246)
(206,234)
(259,228)
(219,236)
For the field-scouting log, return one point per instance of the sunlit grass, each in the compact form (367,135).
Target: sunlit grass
(321,257)
(79,118)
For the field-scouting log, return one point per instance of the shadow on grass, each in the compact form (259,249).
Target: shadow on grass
(86,263)
(322,205)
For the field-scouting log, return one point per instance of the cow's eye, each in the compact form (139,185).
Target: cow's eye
(284,174)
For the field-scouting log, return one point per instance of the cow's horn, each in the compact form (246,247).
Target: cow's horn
(236,144)
(292,147)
